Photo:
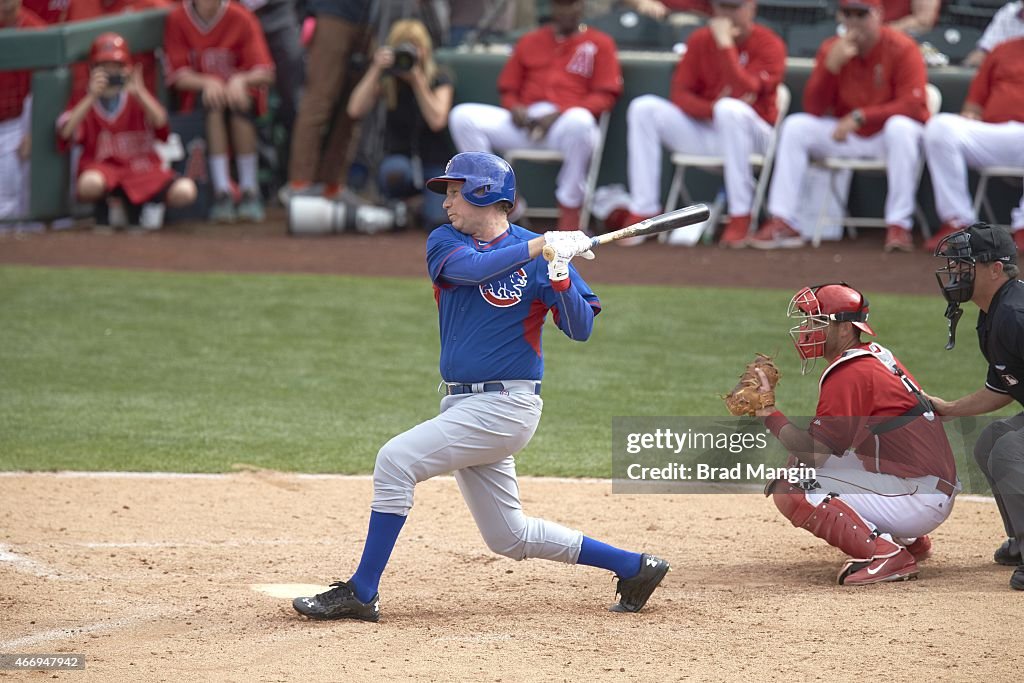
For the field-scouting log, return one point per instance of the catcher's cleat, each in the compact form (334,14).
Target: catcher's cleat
(898,567)
(921,549)
(1017,580)
(1004,554)
(340,602)
(633,593)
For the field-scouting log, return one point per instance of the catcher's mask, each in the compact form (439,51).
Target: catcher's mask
(817,306)
(980,243)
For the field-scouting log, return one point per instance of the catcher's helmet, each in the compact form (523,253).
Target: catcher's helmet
(817,306)
(486,178)
(110,47)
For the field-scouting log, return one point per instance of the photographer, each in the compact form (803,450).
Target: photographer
(117,122)
(417,96)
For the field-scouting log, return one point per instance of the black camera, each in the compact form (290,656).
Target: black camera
(406,57)
(115,80)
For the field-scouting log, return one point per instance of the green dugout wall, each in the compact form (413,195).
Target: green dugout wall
(50,51)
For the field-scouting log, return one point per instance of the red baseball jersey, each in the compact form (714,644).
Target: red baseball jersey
(859,392)
(120,145)
(15,86)
(896,9)
(706,72)
(50,11)
(888,80)
(232,42)
(701,6)
(998,87)
(581,70)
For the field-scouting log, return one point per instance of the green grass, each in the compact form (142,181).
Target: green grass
(123,370)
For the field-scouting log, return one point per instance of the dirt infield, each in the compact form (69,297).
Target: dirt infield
(267,248)
(150,577)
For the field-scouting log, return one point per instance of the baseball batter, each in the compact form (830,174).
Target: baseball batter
(865,98)
(981,267)
(722,104)
(885,471)
(989,131)
(558,81)
(493,294)
(117,123)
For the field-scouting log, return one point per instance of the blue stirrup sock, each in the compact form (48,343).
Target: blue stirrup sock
(380,541)
(593,553)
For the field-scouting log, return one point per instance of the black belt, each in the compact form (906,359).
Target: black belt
(456,389)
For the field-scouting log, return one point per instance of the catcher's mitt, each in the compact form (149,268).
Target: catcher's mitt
(746,397)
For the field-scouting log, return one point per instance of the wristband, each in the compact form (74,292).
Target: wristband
(775,422)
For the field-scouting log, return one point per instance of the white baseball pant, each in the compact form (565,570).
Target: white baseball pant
(734,132)
(487,128)
(476,435)
(952,144)
(14,171)
(805,136)
(902,508)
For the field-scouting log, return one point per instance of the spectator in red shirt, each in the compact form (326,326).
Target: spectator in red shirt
(988,131)
(723,98)
(217,58)
(15,120)
(117,123)
(50,11)
(866,97)
(884,475)
(911,16)
(559,80)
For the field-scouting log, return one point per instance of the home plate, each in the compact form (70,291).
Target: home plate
(288,590)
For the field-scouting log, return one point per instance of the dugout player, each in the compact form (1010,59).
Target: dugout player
(865,98)
(981,267)
(885,474)
(722,103)
(560,78)
(988,131)
(117,122)
(493,293)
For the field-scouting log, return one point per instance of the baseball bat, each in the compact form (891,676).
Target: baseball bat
(688,215)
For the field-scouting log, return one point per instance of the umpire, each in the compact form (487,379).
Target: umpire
(981,266)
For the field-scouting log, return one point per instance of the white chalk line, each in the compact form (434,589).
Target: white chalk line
(33,639)
(973,498)
(27,565)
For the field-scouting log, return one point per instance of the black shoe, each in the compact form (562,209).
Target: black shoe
(633,593)
(338,603)
(1005,557)
(1017,580)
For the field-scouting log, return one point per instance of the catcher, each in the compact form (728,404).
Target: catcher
(885,474)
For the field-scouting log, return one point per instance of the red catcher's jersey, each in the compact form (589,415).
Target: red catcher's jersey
(232,42)
(859,392)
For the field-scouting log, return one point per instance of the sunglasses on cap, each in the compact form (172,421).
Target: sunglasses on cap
(854,12)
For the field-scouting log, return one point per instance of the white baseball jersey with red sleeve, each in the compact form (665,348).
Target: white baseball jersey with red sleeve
(120,145)
(230,43)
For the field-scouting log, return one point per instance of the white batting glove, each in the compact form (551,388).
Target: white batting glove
(558,272)
(569,243)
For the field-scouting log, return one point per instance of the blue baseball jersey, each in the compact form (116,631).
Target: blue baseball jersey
(492,300)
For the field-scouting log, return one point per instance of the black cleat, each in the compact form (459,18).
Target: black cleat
(1017,580)
(340,602)
(1005,557)
(633,593)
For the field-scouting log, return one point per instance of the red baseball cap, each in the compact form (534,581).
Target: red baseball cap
(110,47)
(860,4)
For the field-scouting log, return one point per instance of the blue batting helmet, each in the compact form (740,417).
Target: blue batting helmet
(486,178)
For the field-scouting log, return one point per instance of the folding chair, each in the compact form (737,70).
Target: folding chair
(764,161)
(981,198)
(871,165)
(556,157)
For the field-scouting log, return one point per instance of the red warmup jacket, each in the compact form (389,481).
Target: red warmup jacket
(16,85)
(706,72)
(998,87)
(581,70)
(887,81)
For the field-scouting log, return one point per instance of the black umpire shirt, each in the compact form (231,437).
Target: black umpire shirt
(1001,336)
